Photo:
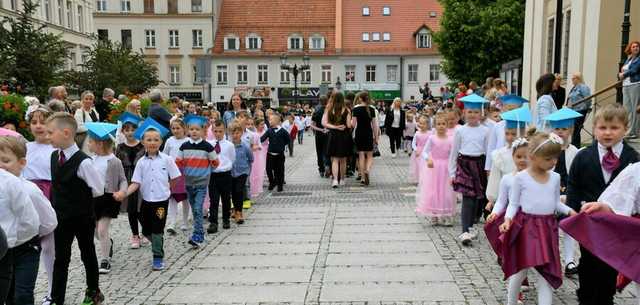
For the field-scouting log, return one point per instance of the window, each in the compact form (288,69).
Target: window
(149,6)
(222,74)
(69,15)
(550,33)
(375,37)
(326,73)
(197,38)
(125,6)
(386,36)
(350,73)
(253,43)
(232,43)
(370,73)
(263,74)
(392,73)
(424,40)
(242,74)
(295,43)
(80,19)
(174,74)
(305,77)
(103,35)
(172,6)
(316,43)
(195,74)
(101,5)
(47,9)
(565,44)
(60,13)
(365,11)
(413,73)
(196,6)
(71,62)
(285,77)
(434,72)
(386,11)
(125,35)
(174,39)
(149,38)
(365,36)
(14,6)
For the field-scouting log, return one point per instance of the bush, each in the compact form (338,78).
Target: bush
(12,110)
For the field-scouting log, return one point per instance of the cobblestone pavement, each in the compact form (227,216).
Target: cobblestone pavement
(315,245)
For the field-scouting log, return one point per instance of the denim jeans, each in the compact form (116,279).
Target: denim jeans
(196,198)
(26,263)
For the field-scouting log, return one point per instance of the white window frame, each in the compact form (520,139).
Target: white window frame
(60,12)
(222,75)
(226,43)
(375,36)
(300,43)
(365,36)
(197,38)
(243,74)
(195,74)
(366,11)
(411,73)
(316,38)
(101,5)
(258,42)
(434,75)
(394,78)
(566,38)
(196,8)
(326,73)
(175,77)
(80,15)
(386,36)
(370,74)
(306,76)
(386,11)
(69,8)
(285,76)
(125,6)
(263,74)
(46,7)
(150,39)
(174,39)
(347,69)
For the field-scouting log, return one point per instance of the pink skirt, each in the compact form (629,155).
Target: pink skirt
(258,169)
(45,187)
(417,166)
(435,196)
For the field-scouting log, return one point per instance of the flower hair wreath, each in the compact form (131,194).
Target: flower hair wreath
(553,138)
(517,143)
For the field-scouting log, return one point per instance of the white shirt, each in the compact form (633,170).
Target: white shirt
(18,216)
(287,126)
(534,197)
(502,199)
(83,116)
(87,172)
(38,161)
(46,213)
(248,138)
(496,140)
(153,175)
(623,194)
(468,141)
(396,119)
(299,122)
(602,151)
(226,156)
(101,163)
(501,166)
(172,146)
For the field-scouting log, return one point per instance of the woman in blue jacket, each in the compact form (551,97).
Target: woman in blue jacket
(630,76)
(579,91)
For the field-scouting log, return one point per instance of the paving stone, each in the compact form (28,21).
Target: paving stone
(381,236)
(428,273)
(235,248)
(351,259)
(243,276)
(209,294)
(279,230)
(270,260)
(391,292)
(393,228)
(273,238)
(381,247)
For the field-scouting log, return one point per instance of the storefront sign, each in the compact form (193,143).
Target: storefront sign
(384,94)
(303,94)
(189,96)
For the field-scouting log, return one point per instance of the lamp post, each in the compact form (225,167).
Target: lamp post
(626,24)
(338,84)
(294,69)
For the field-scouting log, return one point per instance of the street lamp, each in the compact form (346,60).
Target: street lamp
(294,69)
(339,84)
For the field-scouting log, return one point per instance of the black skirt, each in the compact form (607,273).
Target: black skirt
(106,206)
(340,144)
(470,179)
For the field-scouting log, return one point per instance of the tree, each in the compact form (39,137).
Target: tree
(30,54)
(477,36)
(112,65)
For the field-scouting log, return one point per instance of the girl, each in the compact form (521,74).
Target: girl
(453,120)
(337,119)
(419,140)
(178,191)
(129,152)
(545,104)
(86,114)
(435,197)
(466,164)
(258,167)
(106,206)
(409,132)
(366,134)
(533,200)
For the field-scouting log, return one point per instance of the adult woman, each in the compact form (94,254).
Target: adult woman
(426,92)
(87,113)
(233,107)
(558,93)
(545,104)
(579,91)
(394,125)
(366,133)
(630,76)
(134,107)
(337,119)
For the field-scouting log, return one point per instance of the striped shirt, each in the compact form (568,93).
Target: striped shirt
(195,160)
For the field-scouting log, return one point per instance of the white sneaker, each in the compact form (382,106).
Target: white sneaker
(334,184)
(473,233)
(393,155)
(184,227)
(465,239)
(341,182)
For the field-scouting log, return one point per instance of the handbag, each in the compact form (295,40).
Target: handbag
(376,151)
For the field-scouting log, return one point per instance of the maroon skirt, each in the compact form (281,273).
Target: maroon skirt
(492,230)
(45,187)
(470,179)
(179,190)
(611,237)
(532,241)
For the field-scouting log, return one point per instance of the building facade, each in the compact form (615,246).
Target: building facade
(382,46)
(72,19)
(172,34)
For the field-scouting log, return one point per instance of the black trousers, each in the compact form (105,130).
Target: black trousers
(237,190)
(26,260)
(321,150)
(82,229)
(577,128)
(6,275)
(275,169)
(597,280)
(133,213)
(291,147)
(395,138)
(220,187)
(154,218)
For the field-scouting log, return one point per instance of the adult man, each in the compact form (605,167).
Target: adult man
(102,105)
(320,134)
(157,112)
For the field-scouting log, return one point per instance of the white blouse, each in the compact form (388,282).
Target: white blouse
(38,161)
(623,194)
(468,141)
(101,163)
(172,146)
(495,141)
(503,197)
(534,197)
(502,165)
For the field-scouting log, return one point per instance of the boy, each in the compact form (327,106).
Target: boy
(152,176)
(291,128)
(496,135)
(592,170)
(220,181)
(74,184)
(240,170)
(196,158)
(278,140)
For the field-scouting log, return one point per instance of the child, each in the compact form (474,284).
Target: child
(290,126)
(111,172)
(466,164)
(129,153)
(26,256)
(300,124)
(240,170)
(453,119)
(562,123)
(278,140)
(196,157)
(153,174)
(409,132)
(220,181)
(250,139)
(530,222)
(74,184)
(435,196)
(592,170)
(417,145)
(259,160)
(496,136)
(178,191)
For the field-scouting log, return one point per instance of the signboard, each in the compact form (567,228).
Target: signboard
(303,94)
(189,96)
(384,94)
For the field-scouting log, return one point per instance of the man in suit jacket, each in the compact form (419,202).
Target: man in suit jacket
(157,112)
(394,125)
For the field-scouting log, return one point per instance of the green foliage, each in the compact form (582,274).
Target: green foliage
(12,110)
(112,65)
(119,108)
(477,36)
(29,53)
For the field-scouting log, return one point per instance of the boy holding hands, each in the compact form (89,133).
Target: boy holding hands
(278,139)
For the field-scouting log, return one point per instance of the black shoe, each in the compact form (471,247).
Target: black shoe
(271,187)
(194,245)
(279,188)
(172,231)
(570,269)
(111,248)
(226,225)
(105,267)
(321,174)
(358,178)
(213,228)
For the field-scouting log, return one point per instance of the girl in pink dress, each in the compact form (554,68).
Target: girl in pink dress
(417,145)
(258,167)
(435,197)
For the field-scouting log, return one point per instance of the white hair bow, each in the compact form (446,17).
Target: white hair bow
(553,138)
(518,142)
